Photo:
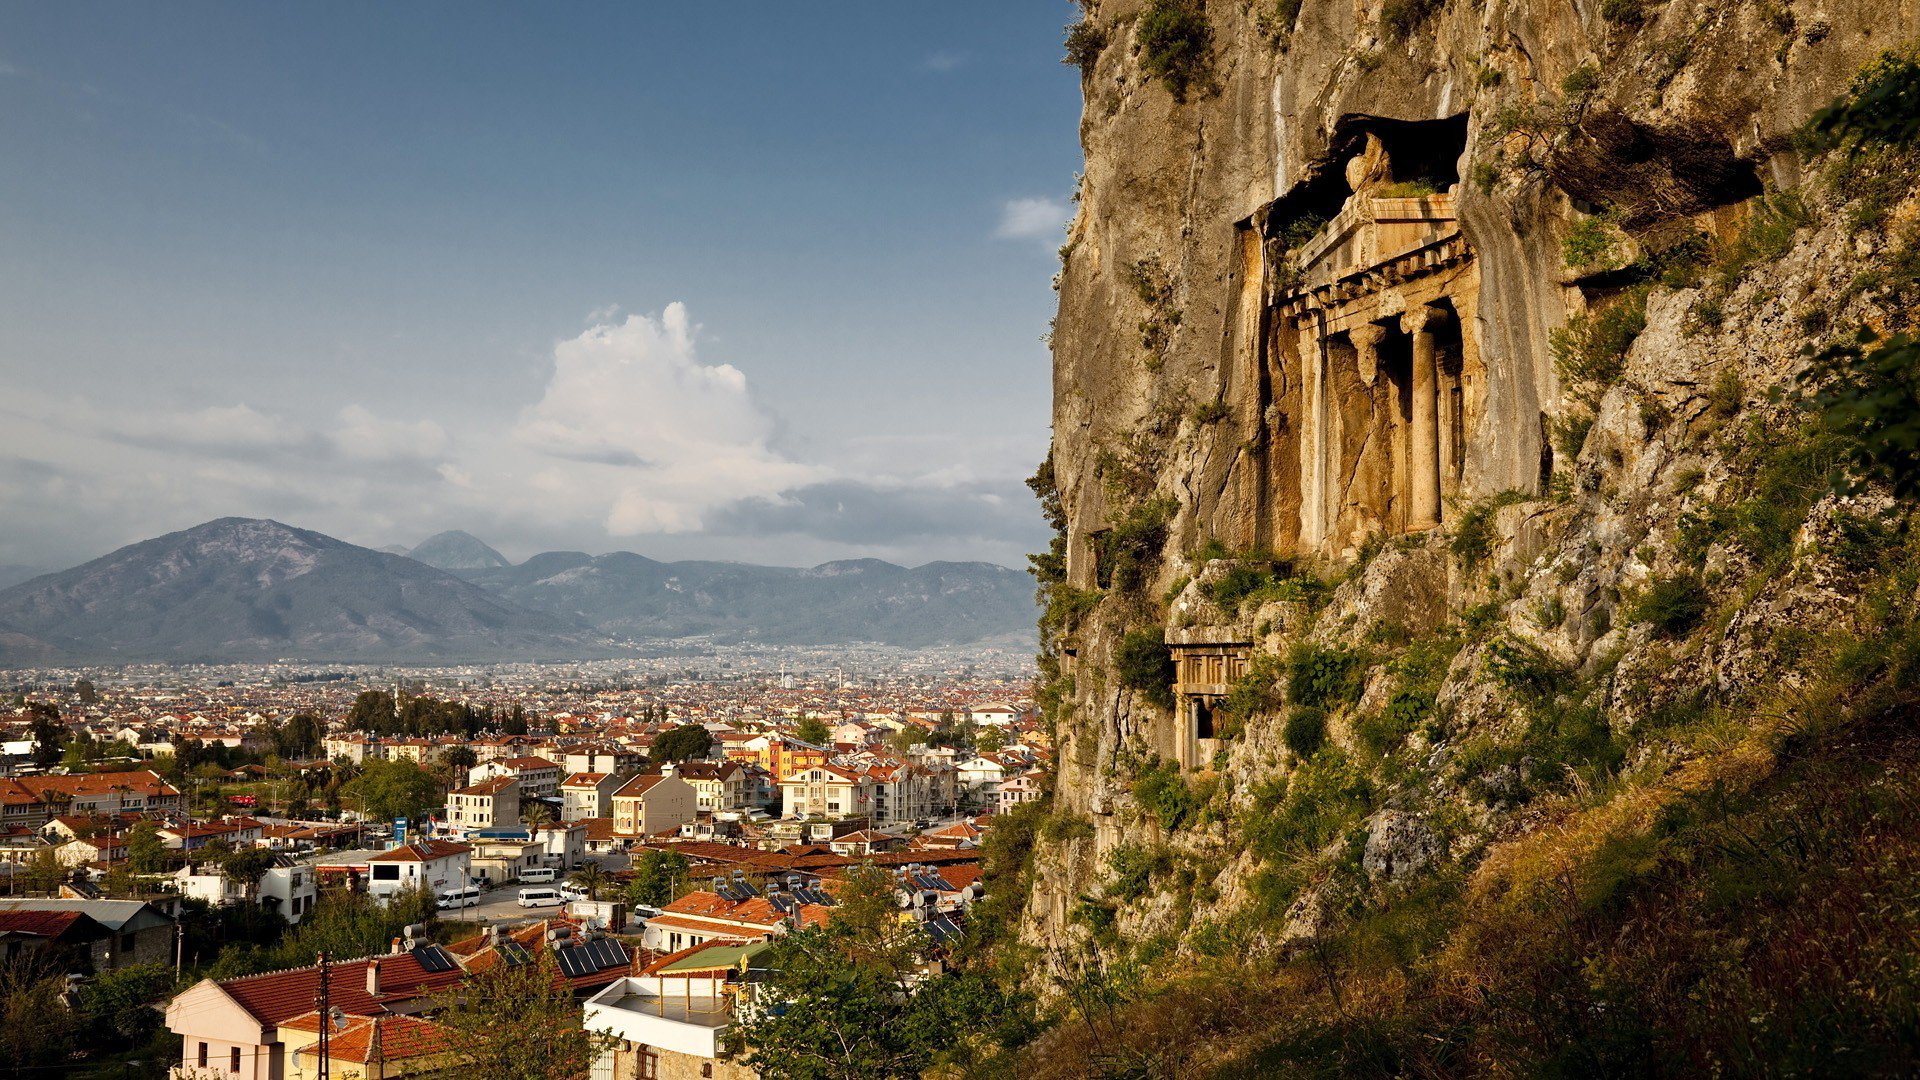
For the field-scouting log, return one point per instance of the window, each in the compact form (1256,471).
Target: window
(203,1055)
(126,943)
(646,1064)
(233,1060)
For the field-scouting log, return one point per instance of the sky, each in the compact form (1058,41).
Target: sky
(759,281)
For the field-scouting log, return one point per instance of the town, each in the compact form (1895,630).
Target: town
(300,871)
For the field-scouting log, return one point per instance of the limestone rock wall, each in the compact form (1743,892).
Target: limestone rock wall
(1174,381)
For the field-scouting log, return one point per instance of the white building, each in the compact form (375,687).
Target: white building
(538,777)
(288,887)
(437,865)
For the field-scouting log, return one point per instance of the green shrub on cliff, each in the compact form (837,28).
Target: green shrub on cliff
(1175,43)
(1324,677)
(1144,664)
(1590,351)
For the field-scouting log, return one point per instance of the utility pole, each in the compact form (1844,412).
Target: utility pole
(326,1016)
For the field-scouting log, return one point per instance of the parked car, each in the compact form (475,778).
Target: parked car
(540,898)
(460,898)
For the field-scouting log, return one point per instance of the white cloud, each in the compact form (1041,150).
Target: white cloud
(631,409)
(362,436)
(1032,219)
(943,61)
(634,435)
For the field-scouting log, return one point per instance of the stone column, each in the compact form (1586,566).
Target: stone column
(1423,455)
(1366,340)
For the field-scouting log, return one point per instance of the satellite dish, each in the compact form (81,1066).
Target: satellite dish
(338,1019)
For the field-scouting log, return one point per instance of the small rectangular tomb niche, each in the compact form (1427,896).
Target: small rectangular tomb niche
(1372,309)
(1204,674)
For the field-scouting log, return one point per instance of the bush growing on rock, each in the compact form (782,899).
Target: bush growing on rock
(1175,43)
(1305,731)
(1673,606)
(1144,664)
(1324,677)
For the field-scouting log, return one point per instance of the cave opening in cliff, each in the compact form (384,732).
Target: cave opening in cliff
(1412,155)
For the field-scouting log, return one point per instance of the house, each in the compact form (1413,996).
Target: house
(736,912)
(981,775)
(244,1029)
(587,795)
(93,849)
(864,842)
(671,1019)
(827,791)
(288,887)
(355,747)
(1024,788)
(370,1047)
(436,865)
(604,757)
(538,777)
(653,803)
(719,785)
(490,804)
(499,859)
(993,714)
(139,933)
(964,834)
(421,751)
(562,844)
(236,833)
(66,938)
(35,800)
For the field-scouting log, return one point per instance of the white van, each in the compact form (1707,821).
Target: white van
(540,898)
(570,891)
(544,873)
(459,898)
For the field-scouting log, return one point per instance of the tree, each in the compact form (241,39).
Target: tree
(43,872)
(591,878)
(83,689)
(245,867)
(146,852)
(684,743)
(121,1002)
(373,711)
(907,738)
(812,730)
(394,789)
(36,1028)
(848,990)
(460,759)
(300,737)
(48,733)
(654,876)
(516,722)
(535,813)
(519,1023)
(990,739)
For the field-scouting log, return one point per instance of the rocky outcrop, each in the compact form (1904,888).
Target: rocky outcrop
(1332,274)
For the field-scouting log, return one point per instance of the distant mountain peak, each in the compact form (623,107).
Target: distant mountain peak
(252,589)
(456,550)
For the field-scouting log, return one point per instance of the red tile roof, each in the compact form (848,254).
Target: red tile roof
(279,996)
(422,851)
(51,924)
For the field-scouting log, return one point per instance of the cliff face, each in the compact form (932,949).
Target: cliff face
(1436,516)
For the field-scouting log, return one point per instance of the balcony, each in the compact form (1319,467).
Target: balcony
(686,1016)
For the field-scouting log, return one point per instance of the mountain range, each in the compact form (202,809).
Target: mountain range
(240,589)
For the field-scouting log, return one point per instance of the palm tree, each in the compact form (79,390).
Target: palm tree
(591,878)
(535,813)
